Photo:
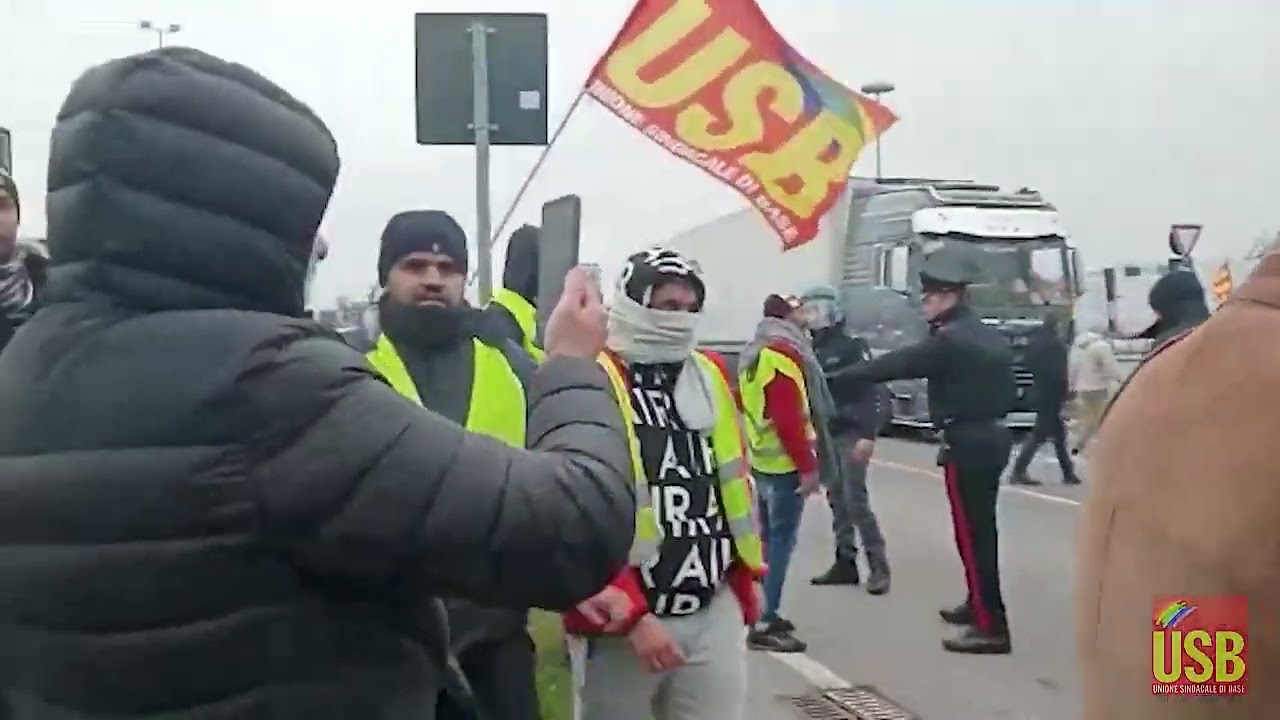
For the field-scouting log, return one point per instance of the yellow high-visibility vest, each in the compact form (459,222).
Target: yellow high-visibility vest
(526,316)
(497,405)
(767,453)
(733,471)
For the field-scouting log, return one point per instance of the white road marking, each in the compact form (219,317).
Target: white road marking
(822,677)
(916,470)
(815,673)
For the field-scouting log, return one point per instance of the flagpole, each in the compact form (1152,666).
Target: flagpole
(582,93)
(555,135)
(542,158)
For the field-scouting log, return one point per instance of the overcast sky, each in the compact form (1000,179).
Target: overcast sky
(1128,114)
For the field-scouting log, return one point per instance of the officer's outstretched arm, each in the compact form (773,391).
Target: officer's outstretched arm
(914,361)
(364,485)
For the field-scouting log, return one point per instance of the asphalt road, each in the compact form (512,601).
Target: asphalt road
(892,642)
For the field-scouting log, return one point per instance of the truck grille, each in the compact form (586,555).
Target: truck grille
(1021,374)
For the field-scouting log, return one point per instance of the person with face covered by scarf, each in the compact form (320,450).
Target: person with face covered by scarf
(431,351)
(677,651)
(22,265)
(778,397)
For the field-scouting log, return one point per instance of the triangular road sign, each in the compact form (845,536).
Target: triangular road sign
(1183,238)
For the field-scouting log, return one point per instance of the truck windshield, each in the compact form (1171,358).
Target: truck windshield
(1018,273)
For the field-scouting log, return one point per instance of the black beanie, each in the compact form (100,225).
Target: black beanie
(10,188)
(520,273)
(431,231)
(649,269)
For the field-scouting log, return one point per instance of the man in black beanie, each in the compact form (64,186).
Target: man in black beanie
(433,351)
(513,311)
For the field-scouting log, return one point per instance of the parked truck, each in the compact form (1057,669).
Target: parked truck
(870,245)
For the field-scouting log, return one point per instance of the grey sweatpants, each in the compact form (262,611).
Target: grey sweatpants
(611,684)
(851,513)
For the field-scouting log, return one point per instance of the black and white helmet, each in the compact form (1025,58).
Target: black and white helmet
(647,269)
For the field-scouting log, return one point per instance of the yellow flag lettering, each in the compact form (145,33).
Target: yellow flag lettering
(804,156)
(743,125)
(686,79)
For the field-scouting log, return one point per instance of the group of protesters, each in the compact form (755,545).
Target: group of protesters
(212,506)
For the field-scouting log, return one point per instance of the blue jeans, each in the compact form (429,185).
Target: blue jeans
(780,510)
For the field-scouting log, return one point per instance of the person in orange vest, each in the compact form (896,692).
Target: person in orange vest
(1183,509)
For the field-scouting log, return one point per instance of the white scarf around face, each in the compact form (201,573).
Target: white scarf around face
(16,288)
(647,336)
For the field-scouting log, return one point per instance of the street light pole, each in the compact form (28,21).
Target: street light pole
(161,31)
(877,90)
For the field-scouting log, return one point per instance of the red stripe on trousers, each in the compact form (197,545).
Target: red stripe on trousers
(964,541)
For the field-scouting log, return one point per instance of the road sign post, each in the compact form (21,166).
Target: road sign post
(480,124)
(501,102)
(1109,290)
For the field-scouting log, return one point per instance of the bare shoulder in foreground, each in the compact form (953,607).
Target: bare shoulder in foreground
(1183,509)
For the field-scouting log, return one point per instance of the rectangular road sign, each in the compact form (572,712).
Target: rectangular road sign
(517,71)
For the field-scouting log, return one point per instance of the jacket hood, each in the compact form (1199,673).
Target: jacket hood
(178,180)
(1178,300)
(1177,292)
(520,273)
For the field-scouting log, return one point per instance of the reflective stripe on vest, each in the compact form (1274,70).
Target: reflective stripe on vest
(526,316)
(767,453)
(497,404)
(733,472)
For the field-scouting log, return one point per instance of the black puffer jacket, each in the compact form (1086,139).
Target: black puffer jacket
(210,509)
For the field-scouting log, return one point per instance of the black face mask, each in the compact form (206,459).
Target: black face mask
(425,327)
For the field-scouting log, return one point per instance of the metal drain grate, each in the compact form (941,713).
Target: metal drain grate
(817,707)
(861,702)
(866,703)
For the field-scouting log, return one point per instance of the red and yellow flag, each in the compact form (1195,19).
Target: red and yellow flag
(1222,284)
(716,85)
